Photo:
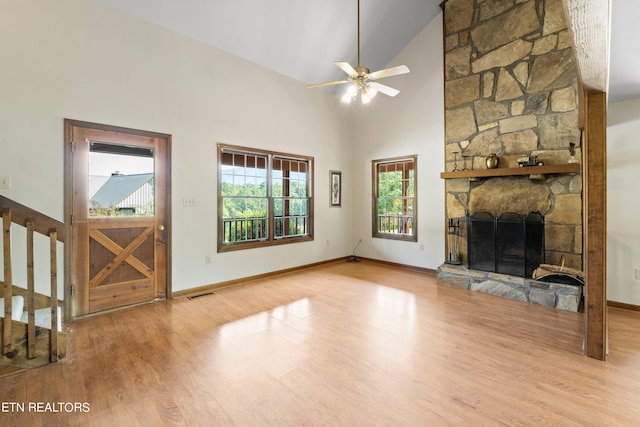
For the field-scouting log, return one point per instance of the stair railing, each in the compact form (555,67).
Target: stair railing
(33,221)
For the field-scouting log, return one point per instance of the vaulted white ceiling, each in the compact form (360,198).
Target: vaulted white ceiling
(302,39)
(624,69)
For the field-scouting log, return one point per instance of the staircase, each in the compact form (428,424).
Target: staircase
(42,315)
(30,323)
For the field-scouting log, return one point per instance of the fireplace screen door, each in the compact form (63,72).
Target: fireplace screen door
(509,244)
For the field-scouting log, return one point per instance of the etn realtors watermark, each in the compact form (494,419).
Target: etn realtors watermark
(53,407)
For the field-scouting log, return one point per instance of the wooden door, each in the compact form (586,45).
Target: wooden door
(118,205)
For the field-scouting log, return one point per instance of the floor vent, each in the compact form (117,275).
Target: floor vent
(200,295)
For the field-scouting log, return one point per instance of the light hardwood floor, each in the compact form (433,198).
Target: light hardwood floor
(343,344)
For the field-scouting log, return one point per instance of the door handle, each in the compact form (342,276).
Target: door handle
(161,227)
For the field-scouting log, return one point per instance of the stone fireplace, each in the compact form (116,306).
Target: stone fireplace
(511,89)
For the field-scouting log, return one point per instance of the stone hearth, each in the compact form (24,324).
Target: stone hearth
(557,295)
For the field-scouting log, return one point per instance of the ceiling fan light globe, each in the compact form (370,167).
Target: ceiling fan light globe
(372,91)
(346,98)
(352,90)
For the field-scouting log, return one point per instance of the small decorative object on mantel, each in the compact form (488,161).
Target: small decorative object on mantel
(530,161)
(572,152)
(455,162)
(492,161)
(463,145)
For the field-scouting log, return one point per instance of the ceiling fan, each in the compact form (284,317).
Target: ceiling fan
(364,81)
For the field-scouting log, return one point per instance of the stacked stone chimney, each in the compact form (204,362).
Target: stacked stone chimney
(511,88)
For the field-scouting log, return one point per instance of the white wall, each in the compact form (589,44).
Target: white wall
(410,123)
(623,201)
(83,60)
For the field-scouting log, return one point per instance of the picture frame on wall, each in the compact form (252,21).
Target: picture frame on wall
(335,188)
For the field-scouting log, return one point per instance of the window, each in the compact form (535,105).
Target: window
(395,198)
(264,198)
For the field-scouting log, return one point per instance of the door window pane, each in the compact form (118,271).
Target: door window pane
(121,181)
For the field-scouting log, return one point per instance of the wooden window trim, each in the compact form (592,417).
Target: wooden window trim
(375,193)
(271,240)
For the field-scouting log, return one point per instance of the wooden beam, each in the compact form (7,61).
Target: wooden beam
(595,225)
(525,170)
(589,23)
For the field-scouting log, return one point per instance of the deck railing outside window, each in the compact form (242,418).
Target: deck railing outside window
(397,224)
(245,229)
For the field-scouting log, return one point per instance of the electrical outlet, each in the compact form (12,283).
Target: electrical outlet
(637,273)
(189,202)
(421,247)
(5,182)
(207,259)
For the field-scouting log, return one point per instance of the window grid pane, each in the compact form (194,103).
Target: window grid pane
(293,223)
(291,197)
(244,201)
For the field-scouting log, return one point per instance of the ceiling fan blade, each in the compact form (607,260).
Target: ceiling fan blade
(389,91)
(388,72)
(347,68)
(337,82)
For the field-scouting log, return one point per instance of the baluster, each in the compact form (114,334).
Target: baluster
(8,281)
(53,348)
(31,322)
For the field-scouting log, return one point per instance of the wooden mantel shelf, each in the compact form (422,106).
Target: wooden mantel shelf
(527,170)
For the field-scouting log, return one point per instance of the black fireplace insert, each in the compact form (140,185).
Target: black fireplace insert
(509,244)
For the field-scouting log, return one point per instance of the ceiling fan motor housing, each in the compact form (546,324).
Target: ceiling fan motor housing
(362,70)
